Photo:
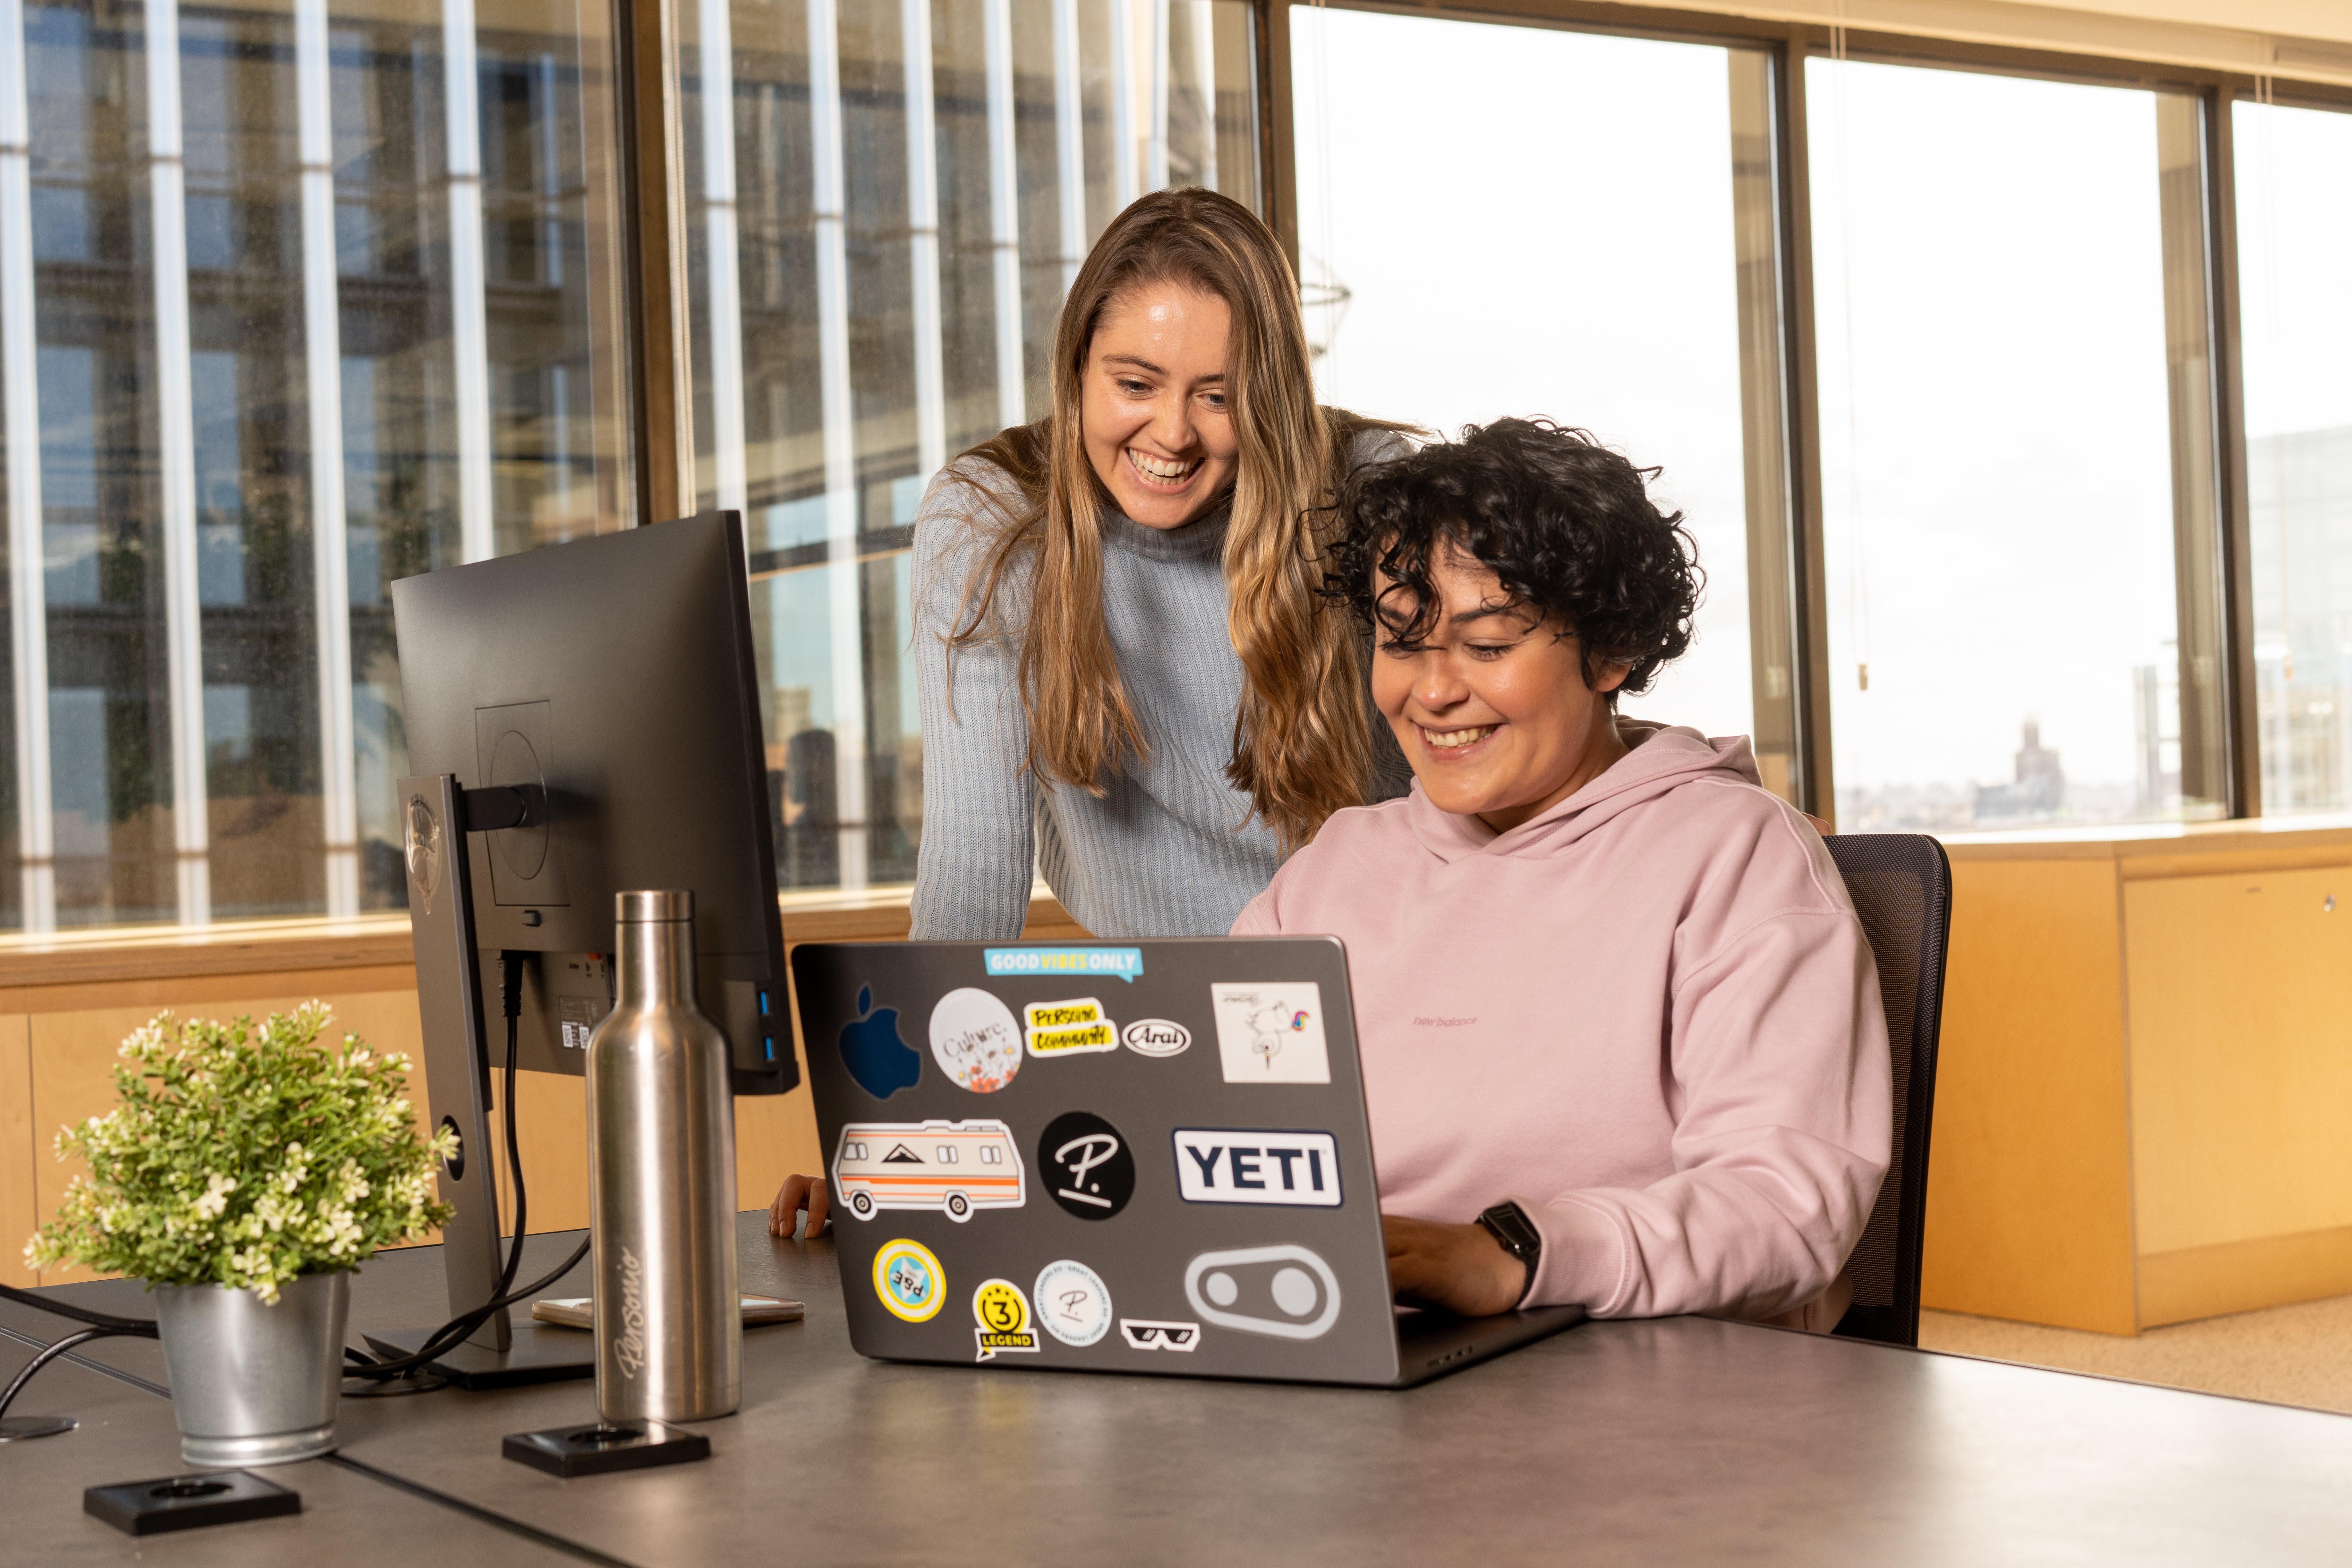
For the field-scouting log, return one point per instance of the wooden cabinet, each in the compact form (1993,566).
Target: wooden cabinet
(2146,1077)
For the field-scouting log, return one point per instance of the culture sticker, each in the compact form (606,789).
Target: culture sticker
(908,1280)
(1069,1029)
(1269,1032)
(1073,1303)
(1002,1313)
(975,1040)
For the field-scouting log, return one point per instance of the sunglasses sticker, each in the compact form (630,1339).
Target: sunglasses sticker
(1069,1029)
(946,1167)
(1144,1335)
(1002,1313)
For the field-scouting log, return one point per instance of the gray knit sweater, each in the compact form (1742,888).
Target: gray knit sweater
(1171,850)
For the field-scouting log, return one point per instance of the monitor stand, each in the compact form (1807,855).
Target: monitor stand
(439,851)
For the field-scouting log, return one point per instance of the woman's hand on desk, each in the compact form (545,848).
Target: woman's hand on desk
(798,1193)
(1461,1268)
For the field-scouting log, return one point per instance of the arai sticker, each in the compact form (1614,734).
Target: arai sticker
(1073,1303)
(1069,1029)
(1002,1313)
(909,1280)
(975,1040)
(1157,1038)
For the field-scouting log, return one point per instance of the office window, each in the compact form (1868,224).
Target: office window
(2295,231)
(2020,501)
(1579,227)
(295,299)
(880,232)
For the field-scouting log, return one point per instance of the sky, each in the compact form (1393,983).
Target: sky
(1543,225)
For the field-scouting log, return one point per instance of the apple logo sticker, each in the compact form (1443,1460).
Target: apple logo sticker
(975,1040)
(881,1062)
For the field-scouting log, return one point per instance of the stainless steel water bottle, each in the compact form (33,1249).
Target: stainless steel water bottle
(661,1182)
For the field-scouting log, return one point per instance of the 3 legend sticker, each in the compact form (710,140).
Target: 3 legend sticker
(975,1040)
(1073,1303)
(1271,1033)
(1085,1164)
(1069,1029)
(1003,1314)
(908,1280)
(949,1167)
(1229,1165)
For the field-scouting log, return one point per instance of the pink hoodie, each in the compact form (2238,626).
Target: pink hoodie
(1649,1017)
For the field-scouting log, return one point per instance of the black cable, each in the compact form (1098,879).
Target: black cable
(25,1376)
(451,1334)
(143,1327)
(510,994)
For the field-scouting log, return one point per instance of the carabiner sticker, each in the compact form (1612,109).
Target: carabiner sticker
(1285,1292)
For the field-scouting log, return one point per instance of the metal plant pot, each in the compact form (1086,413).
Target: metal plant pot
(254,1383)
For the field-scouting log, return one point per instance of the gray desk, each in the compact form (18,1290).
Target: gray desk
(1684,1440)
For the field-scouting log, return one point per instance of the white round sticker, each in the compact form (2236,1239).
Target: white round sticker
(975,1040)
(1157,1037)
(1073,1304)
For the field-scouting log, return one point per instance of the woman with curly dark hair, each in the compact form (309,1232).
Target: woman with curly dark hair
(1620,1030)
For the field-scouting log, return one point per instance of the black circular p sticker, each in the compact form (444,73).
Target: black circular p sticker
(1086,1163)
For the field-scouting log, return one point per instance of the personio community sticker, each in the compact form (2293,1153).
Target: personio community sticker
(1003,1312)
(1271,1033)
(908,1280)
(1069,1029)
(1073,1303)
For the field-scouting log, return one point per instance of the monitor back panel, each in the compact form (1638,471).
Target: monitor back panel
(1088,1156)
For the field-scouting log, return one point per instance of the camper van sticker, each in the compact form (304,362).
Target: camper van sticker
(1157,1038)
(1231,1165)
(1086,1165)
(1144,1335)
(975,1040)
(1003,1312)
(1285,1292)
(1073,1303)
(1271,1033)
(955,1167)
(1069,1029)
(909,1280)
(881,1062)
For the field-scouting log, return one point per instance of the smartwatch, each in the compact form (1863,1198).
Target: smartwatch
(1510,1224)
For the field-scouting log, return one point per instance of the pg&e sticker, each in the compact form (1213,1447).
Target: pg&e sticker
(1270,1032)
(1068,1028)
(908,1280)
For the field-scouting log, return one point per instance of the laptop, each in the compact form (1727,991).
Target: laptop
(1087,1157)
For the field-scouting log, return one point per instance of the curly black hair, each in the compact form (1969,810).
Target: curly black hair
(1566,524)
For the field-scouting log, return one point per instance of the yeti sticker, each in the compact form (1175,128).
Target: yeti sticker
(1269,1032)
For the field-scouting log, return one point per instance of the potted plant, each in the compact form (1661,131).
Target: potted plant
(246,1173)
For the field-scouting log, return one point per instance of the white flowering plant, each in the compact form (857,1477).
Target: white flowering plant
(245,1156)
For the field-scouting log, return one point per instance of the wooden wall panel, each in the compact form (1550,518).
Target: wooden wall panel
(2029,1183)
(2240,991)
(20,1151)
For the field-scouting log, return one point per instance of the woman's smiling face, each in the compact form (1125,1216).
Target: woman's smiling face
(1490,703)
(1153,402)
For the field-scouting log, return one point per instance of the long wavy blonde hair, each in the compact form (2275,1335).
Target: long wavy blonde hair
(1302,741)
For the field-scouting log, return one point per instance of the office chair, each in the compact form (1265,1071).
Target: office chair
(1901,884)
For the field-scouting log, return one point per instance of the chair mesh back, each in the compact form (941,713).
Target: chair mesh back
(1901,884)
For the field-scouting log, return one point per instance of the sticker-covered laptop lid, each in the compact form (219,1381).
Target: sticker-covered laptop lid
(1148,1158)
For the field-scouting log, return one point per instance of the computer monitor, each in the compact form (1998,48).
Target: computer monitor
(582,720)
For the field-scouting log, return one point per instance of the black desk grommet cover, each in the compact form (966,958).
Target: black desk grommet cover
(593,1450)
(189,1502)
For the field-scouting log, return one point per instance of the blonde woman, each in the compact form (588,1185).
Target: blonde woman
(1126,680)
